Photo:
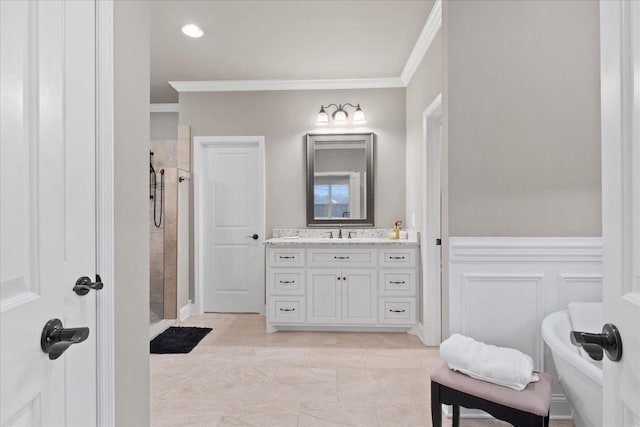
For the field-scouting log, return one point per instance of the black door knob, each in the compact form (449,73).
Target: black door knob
(594,344)
(56,339)
(84,285)
(254,236)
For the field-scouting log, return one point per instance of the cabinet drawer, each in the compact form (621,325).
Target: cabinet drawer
(288,281)
(397,258)
(287,309)
(286,257)
(342,258)
(401,282)
(401,311)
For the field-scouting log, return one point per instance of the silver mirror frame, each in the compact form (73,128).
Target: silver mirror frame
(368,220)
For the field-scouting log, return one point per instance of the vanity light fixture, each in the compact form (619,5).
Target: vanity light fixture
(340,115)
(192,30)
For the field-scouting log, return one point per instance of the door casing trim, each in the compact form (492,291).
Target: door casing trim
(105,363)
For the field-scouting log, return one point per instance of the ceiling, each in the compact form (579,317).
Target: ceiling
(281,40)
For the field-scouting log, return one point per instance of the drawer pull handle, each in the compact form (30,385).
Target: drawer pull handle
(396,283)
(341,257)
(393,311)
(396,257)
(286,257)
(287,281)
(287,309)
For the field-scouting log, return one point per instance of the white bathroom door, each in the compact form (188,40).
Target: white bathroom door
(47,209)
(431,246)
(230,223)
(620,75)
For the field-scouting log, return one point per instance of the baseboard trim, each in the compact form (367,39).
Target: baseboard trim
(186,311)
(160,326)
(560,409)
(419,330)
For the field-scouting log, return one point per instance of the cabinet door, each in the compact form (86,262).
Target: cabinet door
(324,287)
(359,296)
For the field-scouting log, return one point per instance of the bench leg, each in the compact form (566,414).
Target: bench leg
(456,415)
(436,406)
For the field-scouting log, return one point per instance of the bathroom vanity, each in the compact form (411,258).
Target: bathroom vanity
(353,283)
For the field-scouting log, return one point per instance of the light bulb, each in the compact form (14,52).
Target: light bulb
(323,117)
(358,117)
(340,117)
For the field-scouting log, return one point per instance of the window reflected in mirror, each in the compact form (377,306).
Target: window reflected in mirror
(339,179)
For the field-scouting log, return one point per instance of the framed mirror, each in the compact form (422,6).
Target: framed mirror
(340,179)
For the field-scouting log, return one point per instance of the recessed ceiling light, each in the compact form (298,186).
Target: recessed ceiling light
(192,30)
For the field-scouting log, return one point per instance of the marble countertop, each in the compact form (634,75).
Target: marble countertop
(325,241)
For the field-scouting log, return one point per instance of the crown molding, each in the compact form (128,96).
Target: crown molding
(429,32)
(259,85)
(163,108)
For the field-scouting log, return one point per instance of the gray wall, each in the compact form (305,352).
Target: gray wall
(284,117)
(164,126)
(523,118)
(131,235)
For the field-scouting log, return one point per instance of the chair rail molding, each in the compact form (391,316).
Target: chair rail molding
(501,288)
(525,249)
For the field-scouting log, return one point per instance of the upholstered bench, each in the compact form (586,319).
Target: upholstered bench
(526,408)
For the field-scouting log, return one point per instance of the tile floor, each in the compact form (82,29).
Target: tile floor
(241,376)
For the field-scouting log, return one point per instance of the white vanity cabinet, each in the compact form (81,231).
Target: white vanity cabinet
(341,286)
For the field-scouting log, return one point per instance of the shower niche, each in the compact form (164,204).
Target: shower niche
(169,182)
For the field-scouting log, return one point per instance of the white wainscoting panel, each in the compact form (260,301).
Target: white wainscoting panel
(500,290)
(478,296)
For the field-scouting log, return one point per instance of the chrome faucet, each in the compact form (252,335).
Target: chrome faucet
(340,231)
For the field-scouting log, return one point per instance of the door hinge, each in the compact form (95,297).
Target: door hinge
(438,242)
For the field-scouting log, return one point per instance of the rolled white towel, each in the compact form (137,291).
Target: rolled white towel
(498,365)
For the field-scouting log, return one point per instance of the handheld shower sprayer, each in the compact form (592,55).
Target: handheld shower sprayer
(157,221)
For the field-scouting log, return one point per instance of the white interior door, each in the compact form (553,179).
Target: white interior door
(431,249)
(230,223)
(620,71)
(47,210)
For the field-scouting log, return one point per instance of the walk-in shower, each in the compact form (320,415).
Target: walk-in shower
(169,183)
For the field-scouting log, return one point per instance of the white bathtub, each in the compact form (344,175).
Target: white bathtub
(581,379)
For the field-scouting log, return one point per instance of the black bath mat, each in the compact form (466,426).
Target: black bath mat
(178,340)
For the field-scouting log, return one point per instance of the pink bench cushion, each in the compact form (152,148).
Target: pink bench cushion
(535,398)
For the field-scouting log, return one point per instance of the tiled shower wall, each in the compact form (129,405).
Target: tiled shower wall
(165,155)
